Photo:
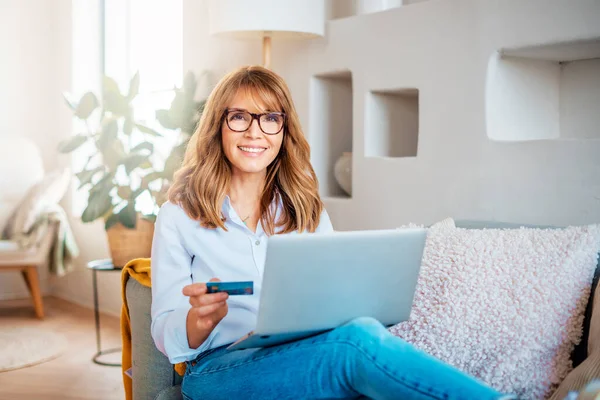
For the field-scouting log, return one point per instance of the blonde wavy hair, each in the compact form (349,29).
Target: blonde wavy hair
(201,184)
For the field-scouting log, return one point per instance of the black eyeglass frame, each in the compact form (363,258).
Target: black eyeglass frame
(255,117)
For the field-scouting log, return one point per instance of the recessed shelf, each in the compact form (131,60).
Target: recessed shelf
(560,52)
(544,92)
(330,126)
(392,123)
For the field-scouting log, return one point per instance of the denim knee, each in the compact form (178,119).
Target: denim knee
(362,330)
(363,324)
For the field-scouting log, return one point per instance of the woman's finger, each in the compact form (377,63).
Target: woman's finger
(195,289)
(205,311)
(206,299)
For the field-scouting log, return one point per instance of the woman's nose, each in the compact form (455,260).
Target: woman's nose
(254,130)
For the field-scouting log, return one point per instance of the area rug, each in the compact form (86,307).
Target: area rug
(24,346)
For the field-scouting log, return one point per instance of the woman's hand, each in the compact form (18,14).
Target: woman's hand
(208,309)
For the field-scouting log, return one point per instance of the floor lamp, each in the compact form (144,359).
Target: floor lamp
(267,19)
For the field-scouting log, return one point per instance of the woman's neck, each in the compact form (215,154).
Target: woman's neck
(245,192)
(246,188)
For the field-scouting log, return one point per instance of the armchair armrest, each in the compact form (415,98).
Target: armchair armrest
(153,374)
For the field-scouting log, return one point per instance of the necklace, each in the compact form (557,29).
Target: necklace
(244,220)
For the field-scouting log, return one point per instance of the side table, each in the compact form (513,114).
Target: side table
(101,266)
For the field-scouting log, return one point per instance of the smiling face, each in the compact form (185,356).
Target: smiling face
(252,151)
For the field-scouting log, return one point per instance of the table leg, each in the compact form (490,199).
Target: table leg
(96,311)
(99,351)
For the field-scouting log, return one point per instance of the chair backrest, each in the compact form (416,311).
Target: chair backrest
(153,374)
(21,167)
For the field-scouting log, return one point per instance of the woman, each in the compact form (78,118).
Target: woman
(246,176)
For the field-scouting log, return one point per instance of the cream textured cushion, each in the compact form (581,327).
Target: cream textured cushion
(504,305)
(49,191)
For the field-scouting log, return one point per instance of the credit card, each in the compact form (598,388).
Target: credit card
(232,288)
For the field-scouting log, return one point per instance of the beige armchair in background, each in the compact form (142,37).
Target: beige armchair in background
(33,236)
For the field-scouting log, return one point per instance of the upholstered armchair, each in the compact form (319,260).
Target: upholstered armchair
(28,223)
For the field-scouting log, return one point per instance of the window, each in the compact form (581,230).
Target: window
(125,37)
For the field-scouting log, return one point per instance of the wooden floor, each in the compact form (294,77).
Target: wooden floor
(73,375)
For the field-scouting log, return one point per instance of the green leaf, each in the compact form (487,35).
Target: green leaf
(99,203)
(133,161)
(110,85)
(182,110)
(151,177)
(128,126)
(134,86)
(147,130)
(72,105)
(86,176)
(189,84)
(149,217)
(190,126)
(136,193)
(116,103)
(88,161)
(143,146)
(127,216)
(160,196)
(111,221)
(124,192)
(113,155)
(86,106)
(146,165)
(182,147)
(200,106)
(105,183)
(173,163)
(68,145)
(110,131)
(163,118)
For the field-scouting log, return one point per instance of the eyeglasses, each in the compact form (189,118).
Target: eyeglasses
(270,123)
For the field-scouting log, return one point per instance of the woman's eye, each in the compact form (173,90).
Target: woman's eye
(237,117)
(273,117)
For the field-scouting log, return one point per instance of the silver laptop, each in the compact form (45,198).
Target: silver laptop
(315,283)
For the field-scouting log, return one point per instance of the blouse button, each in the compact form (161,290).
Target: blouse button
(257,242)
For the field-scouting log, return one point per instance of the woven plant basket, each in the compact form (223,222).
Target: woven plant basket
(126,244)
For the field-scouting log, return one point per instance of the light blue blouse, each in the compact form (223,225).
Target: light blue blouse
(183,252)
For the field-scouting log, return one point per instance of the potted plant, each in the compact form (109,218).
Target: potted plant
(122,170)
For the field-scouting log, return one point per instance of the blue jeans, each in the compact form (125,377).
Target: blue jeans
(360,358)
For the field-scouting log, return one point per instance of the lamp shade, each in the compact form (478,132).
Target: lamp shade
(276,18)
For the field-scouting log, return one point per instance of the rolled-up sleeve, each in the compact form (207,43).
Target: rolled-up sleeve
(171,271)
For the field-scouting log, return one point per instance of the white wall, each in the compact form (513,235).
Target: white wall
(34,71)
(442,47)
